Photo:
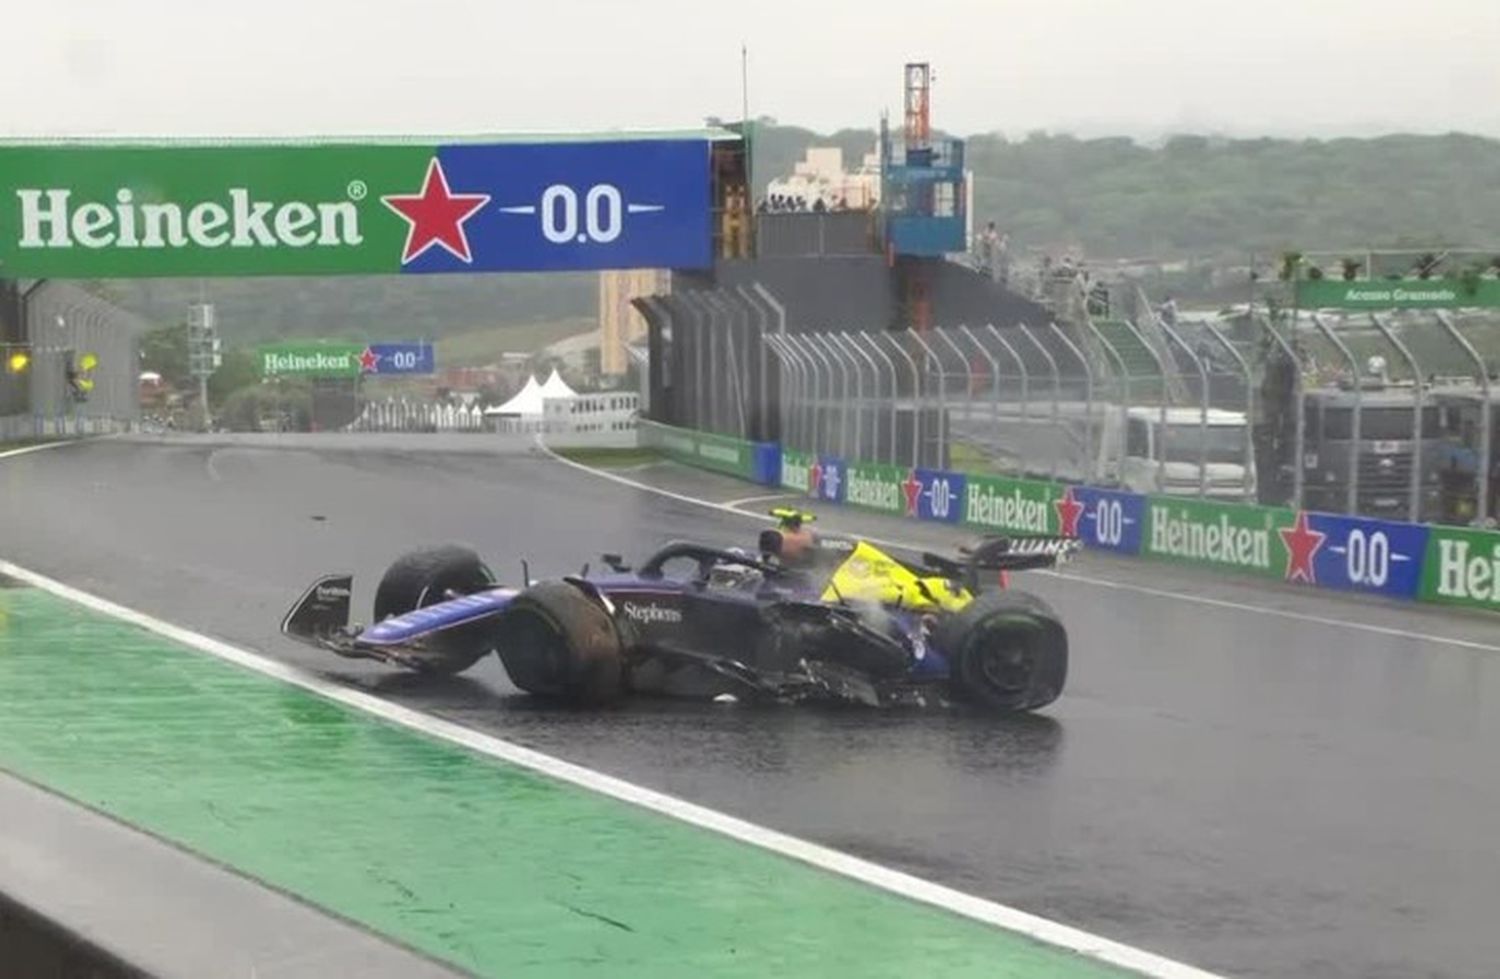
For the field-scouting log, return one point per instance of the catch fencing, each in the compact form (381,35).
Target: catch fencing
(1356,413)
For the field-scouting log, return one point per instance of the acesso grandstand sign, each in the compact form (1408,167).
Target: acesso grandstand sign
(51,219)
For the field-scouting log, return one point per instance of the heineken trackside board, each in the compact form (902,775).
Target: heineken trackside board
(81,210)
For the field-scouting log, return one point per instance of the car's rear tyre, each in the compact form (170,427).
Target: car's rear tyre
(1007,651)
(557,642)
(425,577)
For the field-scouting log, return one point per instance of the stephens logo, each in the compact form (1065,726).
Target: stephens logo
(329,592)
(651,613)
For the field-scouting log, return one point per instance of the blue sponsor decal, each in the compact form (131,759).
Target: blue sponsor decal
(826,480)
(1108,520)
(1355,553)
(514,207)
(398,358)
(939,495)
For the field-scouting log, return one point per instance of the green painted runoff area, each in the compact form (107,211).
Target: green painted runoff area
(485,865)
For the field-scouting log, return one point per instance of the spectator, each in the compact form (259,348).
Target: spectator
(1168,312)
(819,206)
(988,243)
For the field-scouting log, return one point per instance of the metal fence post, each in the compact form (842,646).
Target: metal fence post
(1025,377)
(1056,393)
(1419,410)
(994,363)
(834,357)
(1114,354)
(725,387)
(1482,471)
(700,359)
(1244,366)
(895,393)
(783,409)
(1172,335)
(968,373)
(846,343)
(760,416)
(802,420)
(916,410)
(942,406)
(1299,407)
(1088,399)
(822,440)
(1351,500)
(1161,369)
(812,407)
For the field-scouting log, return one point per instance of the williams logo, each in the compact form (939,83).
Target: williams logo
(650,613)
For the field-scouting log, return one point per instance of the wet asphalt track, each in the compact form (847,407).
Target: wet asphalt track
(1259,795)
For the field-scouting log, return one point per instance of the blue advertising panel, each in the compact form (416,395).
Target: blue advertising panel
(939,495)
(398,358)
(826,480)
(569,206)
(1355,553)
(1108,520)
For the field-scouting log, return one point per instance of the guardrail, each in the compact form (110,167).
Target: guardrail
(1421,562)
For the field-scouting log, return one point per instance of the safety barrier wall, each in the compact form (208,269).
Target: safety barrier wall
(1431,563)
(758,462)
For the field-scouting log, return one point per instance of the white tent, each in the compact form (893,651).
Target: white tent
(526,403)
(556,387)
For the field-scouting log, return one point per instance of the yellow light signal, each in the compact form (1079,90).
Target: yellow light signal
(17,362)
(88,362)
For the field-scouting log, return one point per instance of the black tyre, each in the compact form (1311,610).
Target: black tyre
(557,642)
(425,577)
(1007,652)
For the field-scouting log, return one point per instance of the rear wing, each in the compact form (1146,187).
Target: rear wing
(1005,554)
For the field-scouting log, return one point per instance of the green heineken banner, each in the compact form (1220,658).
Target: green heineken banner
(796,468)
(336,359)
(310,359)
(1397,294)
(115,209)
(876,487)
(1462,567)
(1016,505)
(1230,535)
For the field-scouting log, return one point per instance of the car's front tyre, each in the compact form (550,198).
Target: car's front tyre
(425,577)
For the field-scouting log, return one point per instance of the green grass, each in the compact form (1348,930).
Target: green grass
(611,458)
(485,346)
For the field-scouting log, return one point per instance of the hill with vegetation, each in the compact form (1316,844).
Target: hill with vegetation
(1196,196)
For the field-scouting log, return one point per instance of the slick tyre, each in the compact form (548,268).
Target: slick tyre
(422,578)
(1007,652)
(557,642)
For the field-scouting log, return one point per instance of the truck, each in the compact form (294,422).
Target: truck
(1383,457)
(1143,449)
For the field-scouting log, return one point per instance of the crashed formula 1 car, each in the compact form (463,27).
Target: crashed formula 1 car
(842,620)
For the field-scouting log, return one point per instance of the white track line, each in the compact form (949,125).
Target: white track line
(9,453)
(823,858)
(746,501)
(1222,603)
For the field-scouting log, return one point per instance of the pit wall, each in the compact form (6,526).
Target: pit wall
(1417,562)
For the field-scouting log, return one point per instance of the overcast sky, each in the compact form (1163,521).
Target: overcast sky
(1138,67)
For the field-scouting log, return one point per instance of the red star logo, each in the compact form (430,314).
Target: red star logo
(1068,512)
(368,361)
(1302,546)
(814,478)
(436,216)
(913,490)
